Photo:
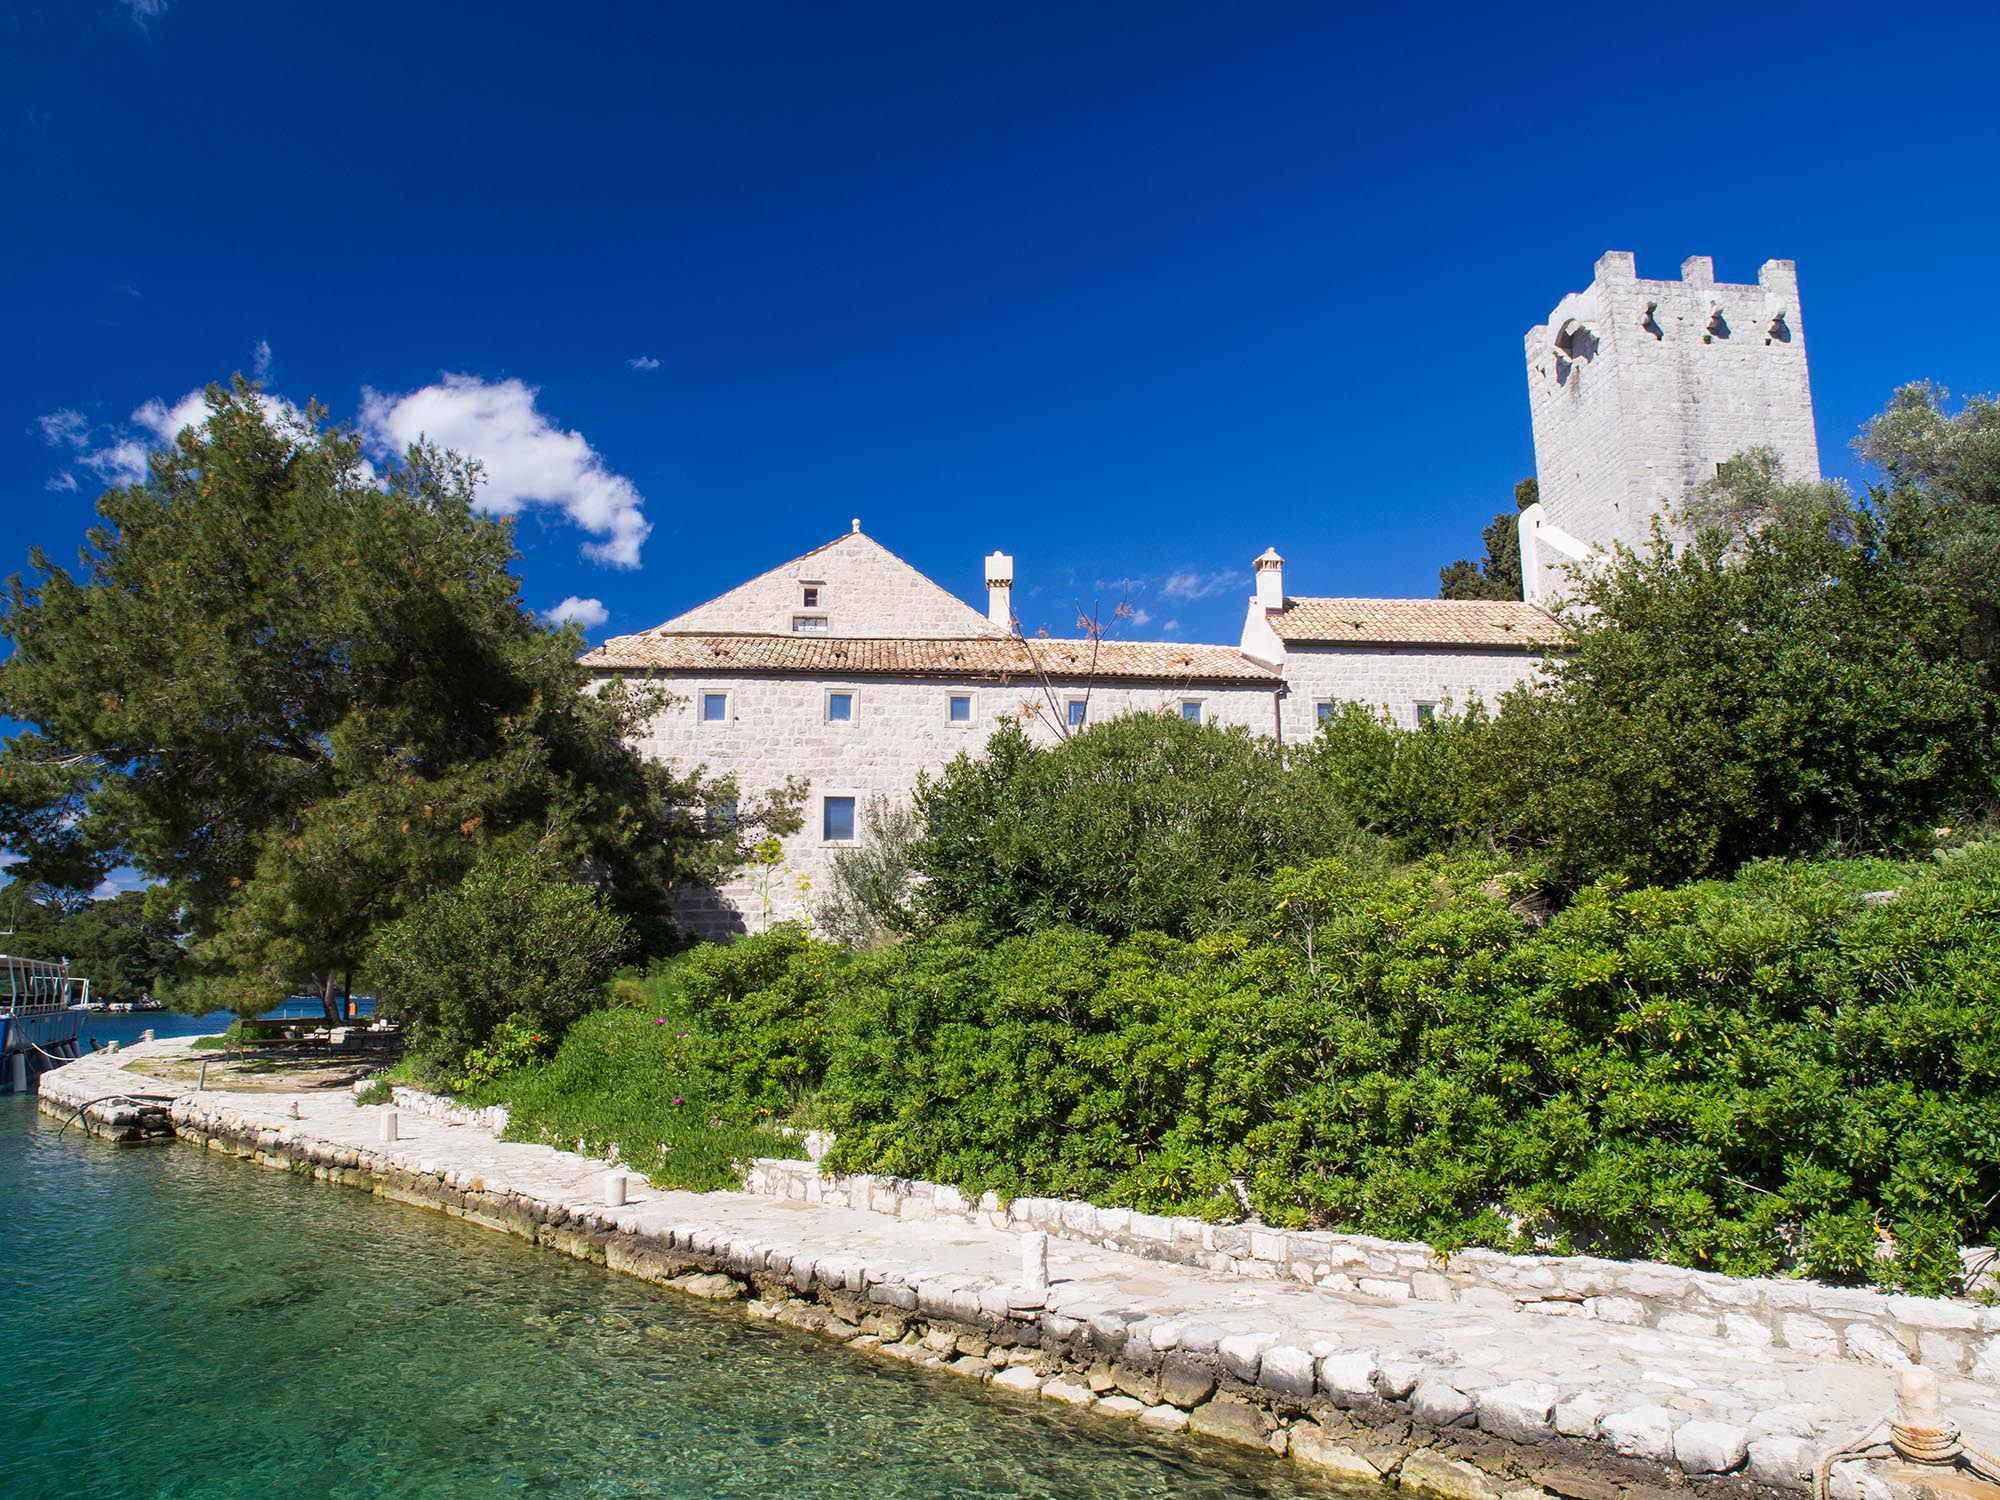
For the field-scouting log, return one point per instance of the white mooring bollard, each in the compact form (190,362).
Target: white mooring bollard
(1035,1261)
(614,1189)
(388,1125)
(146,1035)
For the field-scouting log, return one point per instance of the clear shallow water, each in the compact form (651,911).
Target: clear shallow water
(182,1325)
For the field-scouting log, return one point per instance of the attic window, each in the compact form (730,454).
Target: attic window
(809,624)
(811,599)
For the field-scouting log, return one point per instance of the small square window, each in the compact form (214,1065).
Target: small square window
(1191,710)
(723,814)
(714,708)
(836,820)
(1323,710)
(811,600)
(839,707)
(1078,712)
(1427,713)
(961,708)
(809,624)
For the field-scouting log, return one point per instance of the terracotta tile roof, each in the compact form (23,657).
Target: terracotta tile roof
(834,656)
(1416,622)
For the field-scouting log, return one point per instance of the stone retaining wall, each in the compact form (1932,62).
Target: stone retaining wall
(1872,1327)
(1341,1412)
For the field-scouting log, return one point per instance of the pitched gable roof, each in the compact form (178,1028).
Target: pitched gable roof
(1416,622)
(998,658)
(864,590)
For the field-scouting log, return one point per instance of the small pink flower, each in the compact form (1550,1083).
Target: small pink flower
(677,1101)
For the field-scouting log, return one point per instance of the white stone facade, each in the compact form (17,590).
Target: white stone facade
(1640,388)
(862,708)
(853,586)
(778,726)
(1407,683)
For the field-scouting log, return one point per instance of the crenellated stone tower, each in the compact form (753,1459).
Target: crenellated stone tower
(1639,389)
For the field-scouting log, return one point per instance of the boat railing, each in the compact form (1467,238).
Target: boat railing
(39,987)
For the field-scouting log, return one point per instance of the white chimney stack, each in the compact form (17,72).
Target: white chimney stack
(1000,590)
(1270,580)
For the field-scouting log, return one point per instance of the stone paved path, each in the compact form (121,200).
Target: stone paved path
(1648,1393)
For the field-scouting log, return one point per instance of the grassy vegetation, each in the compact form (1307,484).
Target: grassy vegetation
(642,1077)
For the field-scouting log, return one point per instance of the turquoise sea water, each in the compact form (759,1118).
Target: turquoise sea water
(184,1325)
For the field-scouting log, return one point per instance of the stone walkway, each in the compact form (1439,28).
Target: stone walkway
(1538,1382)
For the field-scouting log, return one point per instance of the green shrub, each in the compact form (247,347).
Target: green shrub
(513,940)
(1142,823)
(1757,1076)
(628,1081)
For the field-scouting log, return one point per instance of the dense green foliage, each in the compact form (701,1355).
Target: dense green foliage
(305,696)
(123,944)
(694,1069)
(1142,823)
(513,941)
(1762,1076)
(1750,1077)
(1794,682)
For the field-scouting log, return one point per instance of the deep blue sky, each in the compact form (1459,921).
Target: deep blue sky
(1126,290)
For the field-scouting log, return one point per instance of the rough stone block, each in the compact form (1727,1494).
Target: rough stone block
(1875,1345)
(1577,1416)
(1627,1310)
(1781,1460)
(1710,1447)
(1810,1335)
(1164,1418)
(1119,1406)
(1069,1391)
(1433,1474)
(1287,1371)
(1242,1353)
(1348,1376)
(1438,1404)
(1691,1325)
(1431,1286)
(1520,1412)
(1312,1447)
(1186,1381)
(1642,1432)
(1231,1422)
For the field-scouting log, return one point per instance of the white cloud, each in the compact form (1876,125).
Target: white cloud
(165,422)
(62,482)
(643,362)
(143,11)
(260,361)
(1192,583)
(528,460)
(589,613)
(1140,617)
(109,453)
(64,428)
(1170,627)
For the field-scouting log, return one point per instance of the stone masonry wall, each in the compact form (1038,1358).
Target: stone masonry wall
(1395,678)
(1837,1322)
(1639,388)
(865,591)
(778,727)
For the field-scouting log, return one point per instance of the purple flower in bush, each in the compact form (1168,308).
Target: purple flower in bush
(677,1101)
(661,1021)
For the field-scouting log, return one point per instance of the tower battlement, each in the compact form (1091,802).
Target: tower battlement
(1639,388)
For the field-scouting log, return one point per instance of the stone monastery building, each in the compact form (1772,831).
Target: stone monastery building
(848,667)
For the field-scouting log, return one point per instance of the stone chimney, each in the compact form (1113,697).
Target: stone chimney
(1000,590)
(1270,579)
